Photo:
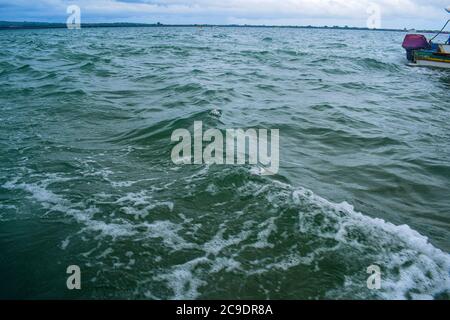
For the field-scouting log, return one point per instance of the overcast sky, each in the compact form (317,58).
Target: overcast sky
(394,13)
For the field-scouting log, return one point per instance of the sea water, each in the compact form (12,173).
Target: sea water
(86,176)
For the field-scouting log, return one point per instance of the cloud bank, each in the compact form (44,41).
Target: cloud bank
(395,13)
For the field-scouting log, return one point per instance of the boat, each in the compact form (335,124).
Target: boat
(423,52)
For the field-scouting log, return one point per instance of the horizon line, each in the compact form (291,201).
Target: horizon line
(16,25)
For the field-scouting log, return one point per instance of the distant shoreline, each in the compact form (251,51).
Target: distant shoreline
(7,25)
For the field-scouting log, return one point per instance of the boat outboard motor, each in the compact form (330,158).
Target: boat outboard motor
(414,42)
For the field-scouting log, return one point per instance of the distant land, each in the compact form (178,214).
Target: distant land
(8,25)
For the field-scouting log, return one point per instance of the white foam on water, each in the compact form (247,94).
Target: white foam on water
(140,198)
(122,184)
(53,202)
(105,253)
(223,263)
(65,243)
(268,227)
(422,267)
(291,261)
(125,184)
(186,279)
(168,232)
(141,203)
(136,204)
(218,243)
(114,230)
(212,189)
(183,281)
(423,270)
(413,267)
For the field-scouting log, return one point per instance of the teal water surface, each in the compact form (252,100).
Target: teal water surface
(86,176)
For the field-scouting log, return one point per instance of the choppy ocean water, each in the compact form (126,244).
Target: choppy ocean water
(86,176)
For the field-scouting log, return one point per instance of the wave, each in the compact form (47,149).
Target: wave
(257,229)
(94,157)
(377,65)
